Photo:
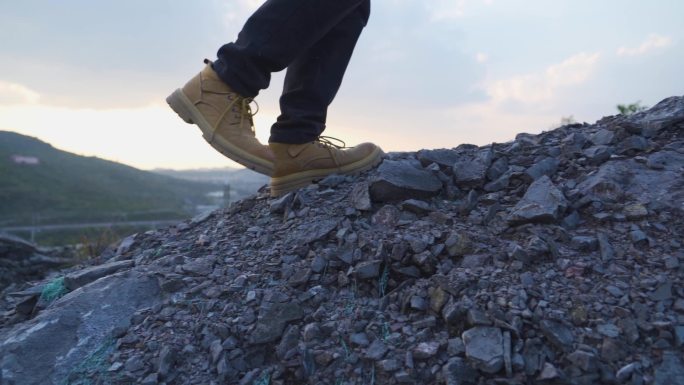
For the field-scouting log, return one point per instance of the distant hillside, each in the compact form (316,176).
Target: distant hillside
(38,179)
(242,182)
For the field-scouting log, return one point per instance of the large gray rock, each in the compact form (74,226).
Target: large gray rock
(470,170)
(632,145)
(665,114)
(616,179)
(484,348)
(598,154)
(498,168)
(312,232)
(442,156)
(83,277)
(546,166)
(602,137)
(560,335)
(398,180)
(542,203)
(367,269)
(45,349)
(458,372)
(272,322)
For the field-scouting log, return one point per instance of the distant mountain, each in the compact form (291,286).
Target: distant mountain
(38,179)
(242,182)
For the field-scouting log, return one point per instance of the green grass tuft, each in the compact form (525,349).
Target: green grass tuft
(382,282)
(96,362)
(53,290)
(264,380)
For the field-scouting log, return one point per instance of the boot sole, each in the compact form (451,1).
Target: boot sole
(187,111)
(282,185)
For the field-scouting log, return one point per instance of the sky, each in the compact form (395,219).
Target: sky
(91,77)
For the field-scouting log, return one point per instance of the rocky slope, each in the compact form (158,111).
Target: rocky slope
(554,258)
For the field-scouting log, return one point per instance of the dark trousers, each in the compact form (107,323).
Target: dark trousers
(314,40)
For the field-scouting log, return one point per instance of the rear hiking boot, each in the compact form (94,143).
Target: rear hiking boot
(298,165)
(225,118)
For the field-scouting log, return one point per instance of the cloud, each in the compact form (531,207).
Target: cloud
(13,93)
(445,10)
(653,42)
(539,87)
(521,103)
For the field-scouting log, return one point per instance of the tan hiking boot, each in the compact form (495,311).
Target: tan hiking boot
(224,117)
(297,165)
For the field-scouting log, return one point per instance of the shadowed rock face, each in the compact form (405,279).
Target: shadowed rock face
(543,202)
(401,180)
(45,349)
(21,261)
(553,258)
(656,181)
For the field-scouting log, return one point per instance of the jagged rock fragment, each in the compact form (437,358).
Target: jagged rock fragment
(602,137)
(388,216)
(542,203)
(167,359)
(271,324)
(546,166)
(397,181)
(635,212)
(425,350)
(376,350)
(416,206)
(484,348)
(498,168)
(360,197)
(443,157)
(83,277)
(367,269)
(584,243)
(549,372)
(470,169)
(632,144)
(598,154)
(560,335)
(279,205)
(458,244)
(458,372)
(318,230)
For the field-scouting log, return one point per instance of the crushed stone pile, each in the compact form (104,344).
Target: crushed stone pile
(551,259)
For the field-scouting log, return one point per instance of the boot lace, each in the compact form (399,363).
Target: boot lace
(246,111)
(331,142)
(240,106)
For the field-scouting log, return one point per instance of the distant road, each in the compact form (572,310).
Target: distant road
(89,225)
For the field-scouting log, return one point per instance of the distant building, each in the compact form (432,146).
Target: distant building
(21,159)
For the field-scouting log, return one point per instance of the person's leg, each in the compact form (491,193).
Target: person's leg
(274,36)
(218,98)
(301,156)
(313,79)
(277,36)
